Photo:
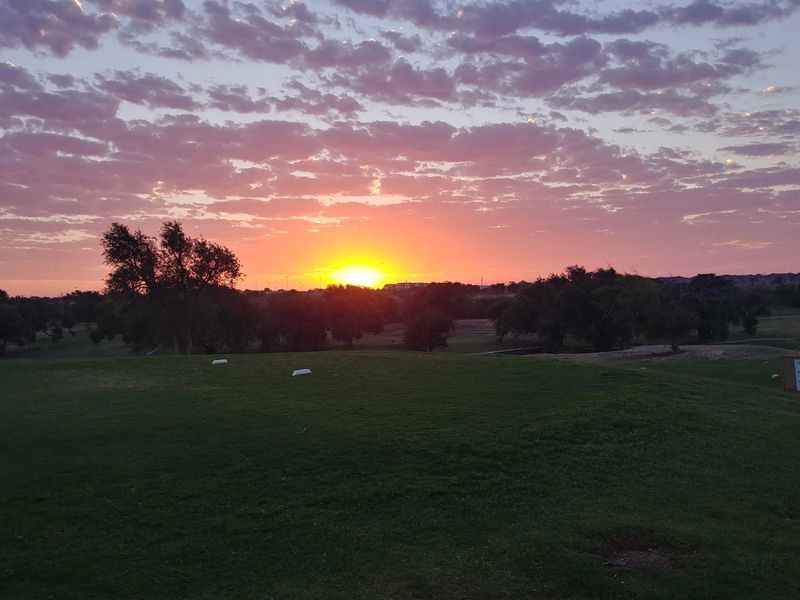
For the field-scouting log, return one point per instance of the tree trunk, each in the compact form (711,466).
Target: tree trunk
(189,341)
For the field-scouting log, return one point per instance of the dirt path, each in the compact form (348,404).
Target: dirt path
(663,352)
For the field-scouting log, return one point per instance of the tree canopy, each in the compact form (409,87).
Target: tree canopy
(609,310)
(160,285)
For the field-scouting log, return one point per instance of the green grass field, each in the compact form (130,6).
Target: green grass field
(781,329)
(395,476)
(77,345)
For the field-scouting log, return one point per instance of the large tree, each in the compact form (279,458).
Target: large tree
(12,325)
(352,311)
(427,329)
(293,321)
(165,280)
(610,310)
(428,315)
(714,301)
(669,319)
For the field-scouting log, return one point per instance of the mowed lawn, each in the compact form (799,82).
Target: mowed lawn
(394,475)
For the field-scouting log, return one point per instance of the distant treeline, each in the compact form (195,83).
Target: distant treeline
(23,320)
(176,293)
(608,310)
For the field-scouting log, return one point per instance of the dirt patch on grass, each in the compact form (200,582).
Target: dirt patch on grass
(652,559)
(639,550)
(664,353)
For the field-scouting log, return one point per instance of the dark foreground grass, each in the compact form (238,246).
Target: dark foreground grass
(391,476)
(759,372)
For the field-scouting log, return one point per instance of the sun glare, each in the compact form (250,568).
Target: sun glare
(360,275)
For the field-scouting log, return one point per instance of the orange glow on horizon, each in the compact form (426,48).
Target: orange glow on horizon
(360,275)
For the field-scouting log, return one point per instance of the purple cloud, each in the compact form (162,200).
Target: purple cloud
(236,98)
(314,102)
(62,80)
(308,101)
(62,107)
(17,77)
(346,55)
(40,144)
(375,8)
(295,10)
(780,123)
(527,47)
(401,83)
(153,11)
(701,12)
(761,149)
(419,12)
(495,19)
(647,66)
(147,89)
(404,43)
(635,101)
(182,46)
(55,25)
(251,34)
(554,66)
(498,18)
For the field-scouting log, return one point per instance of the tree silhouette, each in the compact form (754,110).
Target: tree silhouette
(352,311)
(165,280)
(12,325)
(427,330)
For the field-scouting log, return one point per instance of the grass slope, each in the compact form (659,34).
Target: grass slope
(391,475)
(781,329)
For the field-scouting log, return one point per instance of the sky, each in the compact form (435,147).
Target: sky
(471,140)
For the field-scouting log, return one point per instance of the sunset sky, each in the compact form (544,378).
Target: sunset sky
(426,139)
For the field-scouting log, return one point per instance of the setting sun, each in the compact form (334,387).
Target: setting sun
(360,275)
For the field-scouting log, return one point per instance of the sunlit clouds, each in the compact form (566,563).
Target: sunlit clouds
(435,139)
